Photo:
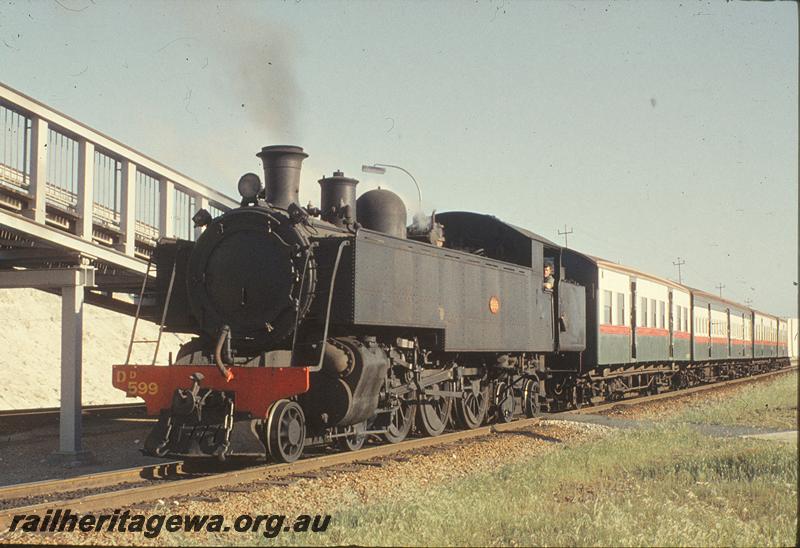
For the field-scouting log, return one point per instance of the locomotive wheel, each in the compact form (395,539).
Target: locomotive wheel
(433,414)
(354,440)
(530,398)
(504,402)
(576,397)
(472,406)
(286,431)
(401,421)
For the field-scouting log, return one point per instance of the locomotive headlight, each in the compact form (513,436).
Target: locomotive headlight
(249,186)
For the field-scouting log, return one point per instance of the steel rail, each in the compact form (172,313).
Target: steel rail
(136,495)
(37,412)
(90,481)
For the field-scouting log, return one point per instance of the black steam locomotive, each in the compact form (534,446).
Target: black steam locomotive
(332,324)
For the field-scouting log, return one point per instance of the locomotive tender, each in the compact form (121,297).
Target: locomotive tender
(332,324)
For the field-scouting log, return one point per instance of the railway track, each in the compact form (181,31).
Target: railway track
(110,408)
(123,488)
(21,420)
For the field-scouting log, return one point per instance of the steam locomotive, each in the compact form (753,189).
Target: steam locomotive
(333,324)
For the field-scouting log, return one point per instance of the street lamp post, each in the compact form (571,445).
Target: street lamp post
(380,169)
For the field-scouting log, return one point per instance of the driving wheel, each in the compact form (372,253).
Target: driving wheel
(433,413)
(531,405)
(472,406)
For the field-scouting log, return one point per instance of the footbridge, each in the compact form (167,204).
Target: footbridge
(80,214)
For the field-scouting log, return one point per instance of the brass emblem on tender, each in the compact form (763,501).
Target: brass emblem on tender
(494,305)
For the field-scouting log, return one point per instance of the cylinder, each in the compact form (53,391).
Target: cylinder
(382,211)
(282,165)
(347,389)
(337,194)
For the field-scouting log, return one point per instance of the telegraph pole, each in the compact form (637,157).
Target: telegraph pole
(720,286)
(678,264)
(565,234)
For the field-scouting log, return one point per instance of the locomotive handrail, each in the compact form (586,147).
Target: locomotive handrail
(339,250)
(297,314)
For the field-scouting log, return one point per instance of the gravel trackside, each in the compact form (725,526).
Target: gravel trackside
(337,489)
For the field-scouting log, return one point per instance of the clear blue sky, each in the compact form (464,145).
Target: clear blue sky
(654,130)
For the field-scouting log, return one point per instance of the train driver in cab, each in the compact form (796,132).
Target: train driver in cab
(548,277)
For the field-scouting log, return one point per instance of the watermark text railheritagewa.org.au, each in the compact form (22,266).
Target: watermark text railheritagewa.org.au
(152,525)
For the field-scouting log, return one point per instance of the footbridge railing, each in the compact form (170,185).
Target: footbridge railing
(71,179)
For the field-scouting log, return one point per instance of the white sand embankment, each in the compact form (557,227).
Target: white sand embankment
(30,350)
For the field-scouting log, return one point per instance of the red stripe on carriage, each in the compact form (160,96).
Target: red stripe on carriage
(652,332)
(712,340)
(680,335)
(615,329)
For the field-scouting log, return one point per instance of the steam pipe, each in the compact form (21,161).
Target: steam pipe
(223,335)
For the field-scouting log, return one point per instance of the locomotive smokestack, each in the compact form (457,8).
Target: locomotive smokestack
(338,199)
(282,173)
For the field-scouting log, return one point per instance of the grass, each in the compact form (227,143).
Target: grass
(663,486)
(769,405)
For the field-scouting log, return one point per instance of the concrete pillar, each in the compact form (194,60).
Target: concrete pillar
(200,202)
(38,186)
(166,209)
(85,189)
(71,282)
(71,365)
(127,214)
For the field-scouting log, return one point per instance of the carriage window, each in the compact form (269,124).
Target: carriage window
(661,313)
(620,308)
(685,319)
(643,313)
(607,307)
(652,313)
